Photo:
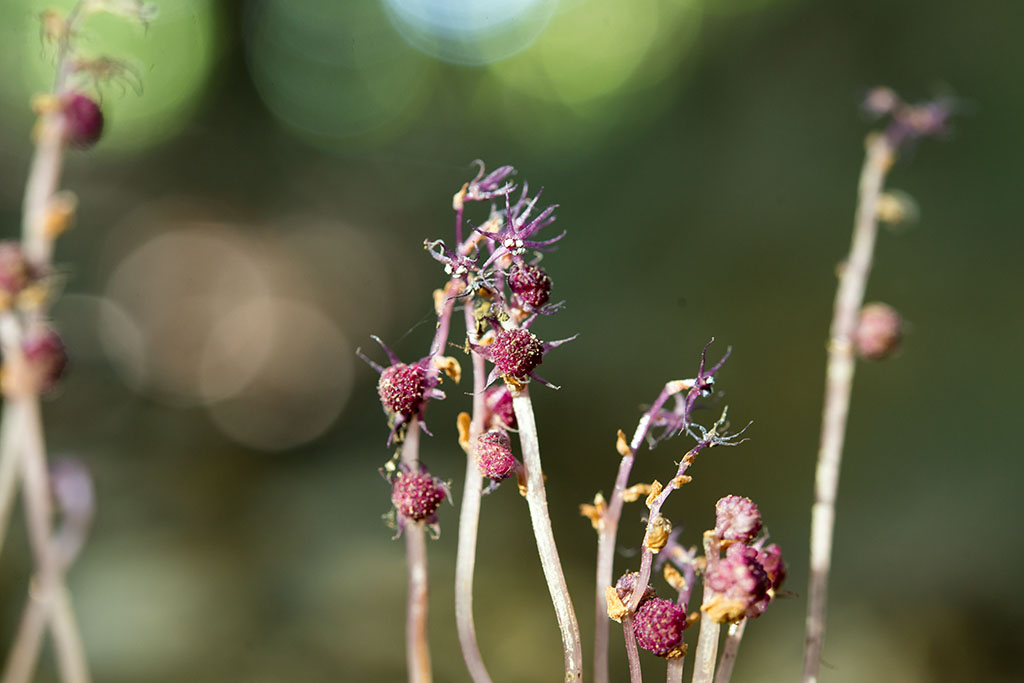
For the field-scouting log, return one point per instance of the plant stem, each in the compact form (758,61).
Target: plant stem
(609,530)
(469,519)
(417,650)
(707,642)
(733,638)
(674,672)
(632,653)
(536,499)
(10,465)
(838,385)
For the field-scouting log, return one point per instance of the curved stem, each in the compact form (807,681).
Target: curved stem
(417,650)
(731,650)
(469,519)
(536,499)
(838,385)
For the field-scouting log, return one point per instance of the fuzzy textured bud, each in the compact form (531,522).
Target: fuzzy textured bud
(499,406)
(625,585)
(516,353)
(740,585)
(879,331)
(737,519)
(15,273)
(417,495)
(83,120)
(401,389)
(494,456)
(530,283)
(658,626)
(47,359)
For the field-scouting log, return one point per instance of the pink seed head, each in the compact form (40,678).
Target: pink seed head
(737,519)
(879,331)
(499,405)
(530,283)
(770,558)
(46,356)
(625,585)
(83,120)
(494,455)
(740,580)
(658,626)
(417,495)
(516,353)
(15,272)
(401,389)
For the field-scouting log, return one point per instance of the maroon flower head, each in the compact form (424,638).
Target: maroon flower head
(499,407)
(879,331)
(47,358)
(83,120)
(401,389)
(739,583)
(417,495)
(516,353)
(625,585)
(737,519)
(658,626)
(15,273)
(530,283)
(494,455)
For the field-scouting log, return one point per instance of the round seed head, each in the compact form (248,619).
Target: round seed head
(879,331)
(516,353)
(737,519)
(83,120)
(658,626)
(530,283)
(494,455)
(499,405)
(625,585)
(401,389)
(740,583)
(417,495)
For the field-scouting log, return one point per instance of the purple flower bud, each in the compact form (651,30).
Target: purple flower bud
(739,583)
(83,120)
(401,388)
(15,272)
(417,495)
(530,283)
(879,331)
(494,455)
(737,519)
(771,561)
(47,358)
(658,626)
(499,406)
(516,353)
(625,585)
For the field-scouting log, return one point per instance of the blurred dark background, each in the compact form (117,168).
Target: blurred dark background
(259,209)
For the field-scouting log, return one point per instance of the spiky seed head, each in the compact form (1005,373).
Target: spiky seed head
(516,353)
(417,495)
(494,455)
(530,283)
(401,389)
(737,519)
(658,626)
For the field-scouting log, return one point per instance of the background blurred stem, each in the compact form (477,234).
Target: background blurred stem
(536,499)
(838,385)
(10,466)
(730,651)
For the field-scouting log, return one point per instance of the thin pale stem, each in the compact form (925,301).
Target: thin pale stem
(469,519)
(609,530)
(9,466)
(417,650)
(707,641)
(632,653)
(730,651)
(536,499)
(838,385)
(674,671)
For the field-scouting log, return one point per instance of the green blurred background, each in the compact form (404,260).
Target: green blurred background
(259,210)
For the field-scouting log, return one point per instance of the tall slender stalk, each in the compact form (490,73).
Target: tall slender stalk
(417,650)
(536,499)
(707,641)
(469,519)
(838,385)
(731,650)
